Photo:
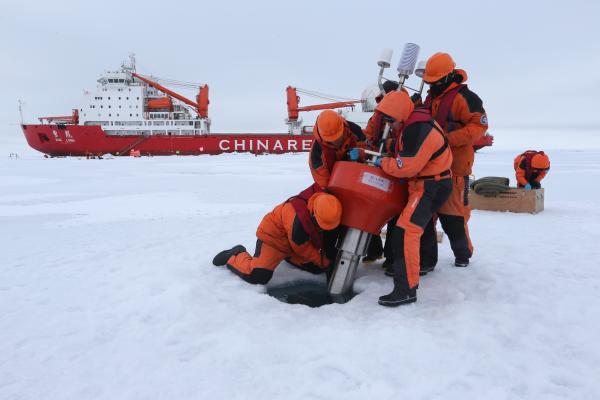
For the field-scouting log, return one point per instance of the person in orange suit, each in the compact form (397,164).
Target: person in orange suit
(429,249)
(461,115)
(530,168)
(334,136)
(295,230)
(422,156)
(373,132)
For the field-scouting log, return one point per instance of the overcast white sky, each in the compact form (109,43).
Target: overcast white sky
(533,63)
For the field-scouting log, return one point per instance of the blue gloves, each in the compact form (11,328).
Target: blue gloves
(354,154)
(377,162)
(528,187)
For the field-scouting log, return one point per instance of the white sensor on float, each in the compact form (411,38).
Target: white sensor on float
(408,60)
(420,70)
(386,58)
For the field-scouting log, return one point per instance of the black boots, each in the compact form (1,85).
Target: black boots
(402,293)
(222,257)
(461,262)
(425,270)
(388,268)
(398,297)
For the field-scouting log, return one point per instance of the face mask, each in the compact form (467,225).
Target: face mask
(443,84)
(436,90)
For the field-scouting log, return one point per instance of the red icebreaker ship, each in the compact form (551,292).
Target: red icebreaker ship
(131,114)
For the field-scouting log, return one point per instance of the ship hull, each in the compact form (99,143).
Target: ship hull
(80,140)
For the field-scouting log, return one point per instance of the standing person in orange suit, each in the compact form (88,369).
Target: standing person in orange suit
(530,168)
(461,115)
(422,156)
(293,230)
(428,246)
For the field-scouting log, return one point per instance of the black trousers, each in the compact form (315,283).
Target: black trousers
(428,249)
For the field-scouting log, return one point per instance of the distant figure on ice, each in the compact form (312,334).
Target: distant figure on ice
(530,168)
(296,231)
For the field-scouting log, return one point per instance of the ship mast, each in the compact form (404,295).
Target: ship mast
(21,110)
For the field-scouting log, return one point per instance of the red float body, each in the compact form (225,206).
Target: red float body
(369,196)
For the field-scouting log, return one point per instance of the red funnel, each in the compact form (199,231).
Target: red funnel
(369,196)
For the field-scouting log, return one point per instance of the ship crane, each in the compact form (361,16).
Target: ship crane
(200,106)
(294,109)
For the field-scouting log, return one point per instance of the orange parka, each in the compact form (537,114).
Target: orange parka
(281,229)
(535,175)
(323,155)
(421,153)
(464,124)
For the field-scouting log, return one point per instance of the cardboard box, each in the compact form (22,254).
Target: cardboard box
(514,200)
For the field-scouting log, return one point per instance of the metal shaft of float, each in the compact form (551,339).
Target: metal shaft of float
(351,248)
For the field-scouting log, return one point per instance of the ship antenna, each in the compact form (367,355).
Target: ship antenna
(132,61)
(21,110)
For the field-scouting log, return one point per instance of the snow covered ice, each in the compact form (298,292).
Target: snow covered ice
(107,290)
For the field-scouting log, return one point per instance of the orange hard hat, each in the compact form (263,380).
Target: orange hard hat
(327,210)
(540,161)
(438,66)
(330,125)
(397,105)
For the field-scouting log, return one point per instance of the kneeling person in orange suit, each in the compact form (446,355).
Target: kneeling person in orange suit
(530,168)
(423,157)
(295,230)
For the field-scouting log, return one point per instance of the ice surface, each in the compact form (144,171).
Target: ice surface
(107,289)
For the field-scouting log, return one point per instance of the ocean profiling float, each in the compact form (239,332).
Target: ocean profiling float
(369,197)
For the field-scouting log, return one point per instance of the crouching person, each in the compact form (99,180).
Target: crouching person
(530,168)
(295,230)
(423,157)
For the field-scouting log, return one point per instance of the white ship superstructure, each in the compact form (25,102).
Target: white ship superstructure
(125,105)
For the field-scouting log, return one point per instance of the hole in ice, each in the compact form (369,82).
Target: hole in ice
(307,292)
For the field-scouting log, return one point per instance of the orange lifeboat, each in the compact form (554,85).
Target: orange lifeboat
(162,103)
